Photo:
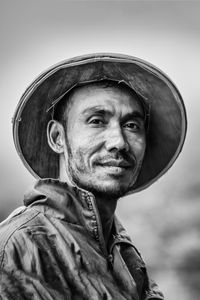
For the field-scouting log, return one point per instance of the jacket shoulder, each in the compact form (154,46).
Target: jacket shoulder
(10,226)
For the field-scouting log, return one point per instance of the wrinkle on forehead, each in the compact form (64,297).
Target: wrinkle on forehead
(113,100)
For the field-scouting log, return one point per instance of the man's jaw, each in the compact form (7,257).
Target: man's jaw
(107,185)
(115,169)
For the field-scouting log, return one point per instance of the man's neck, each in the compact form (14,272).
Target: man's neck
(106,208)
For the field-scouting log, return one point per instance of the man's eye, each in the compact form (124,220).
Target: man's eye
(132,126)
(96,121)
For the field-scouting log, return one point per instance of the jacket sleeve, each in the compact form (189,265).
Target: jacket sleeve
(18,285)
(152,292)
(147,288)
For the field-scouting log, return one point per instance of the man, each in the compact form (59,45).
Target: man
(93,128)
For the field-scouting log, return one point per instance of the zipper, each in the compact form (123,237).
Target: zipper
(98,230)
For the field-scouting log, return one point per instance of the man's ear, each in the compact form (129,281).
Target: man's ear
(56,136)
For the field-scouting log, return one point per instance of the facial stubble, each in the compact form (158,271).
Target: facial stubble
(76,171)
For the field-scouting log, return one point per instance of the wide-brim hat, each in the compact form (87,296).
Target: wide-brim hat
(167,121)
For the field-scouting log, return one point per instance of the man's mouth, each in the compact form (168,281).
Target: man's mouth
(116,163)
(116,166)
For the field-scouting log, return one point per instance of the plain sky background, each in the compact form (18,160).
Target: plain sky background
(36,34)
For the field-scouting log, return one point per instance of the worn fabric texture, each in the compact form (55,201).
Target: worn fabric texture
(53,248)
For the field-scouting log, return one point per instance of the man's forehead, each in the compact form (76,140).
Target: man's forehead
(95,97)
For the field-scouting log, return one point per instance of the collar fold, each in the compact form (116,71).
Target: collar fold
(74,206)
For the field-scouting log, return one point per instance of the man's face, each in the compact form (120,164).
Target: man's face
(105,139)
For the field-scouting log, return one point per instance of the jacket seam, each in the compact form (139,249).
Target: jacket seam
(97,230)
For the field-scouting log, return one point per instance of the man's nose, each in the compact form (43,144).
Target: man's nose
(115,140)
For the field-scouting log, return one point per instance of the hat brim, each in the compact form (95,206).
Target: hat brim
(167,122)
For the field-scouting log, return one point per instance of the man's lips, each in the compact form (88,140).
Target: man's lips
(116,163)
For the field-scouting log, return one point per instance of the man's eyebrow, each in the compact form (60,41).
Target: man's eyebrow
(134,115)
(101,110)
(96,109)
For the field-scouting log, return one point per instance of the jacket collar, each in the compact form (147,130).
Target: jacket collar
(75,206)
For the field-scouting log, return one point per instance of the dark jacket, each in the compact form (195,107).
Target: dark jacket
(54,249)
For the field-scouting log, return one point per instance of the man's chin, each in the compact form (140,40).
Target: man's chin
(104,186)
(113,191)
